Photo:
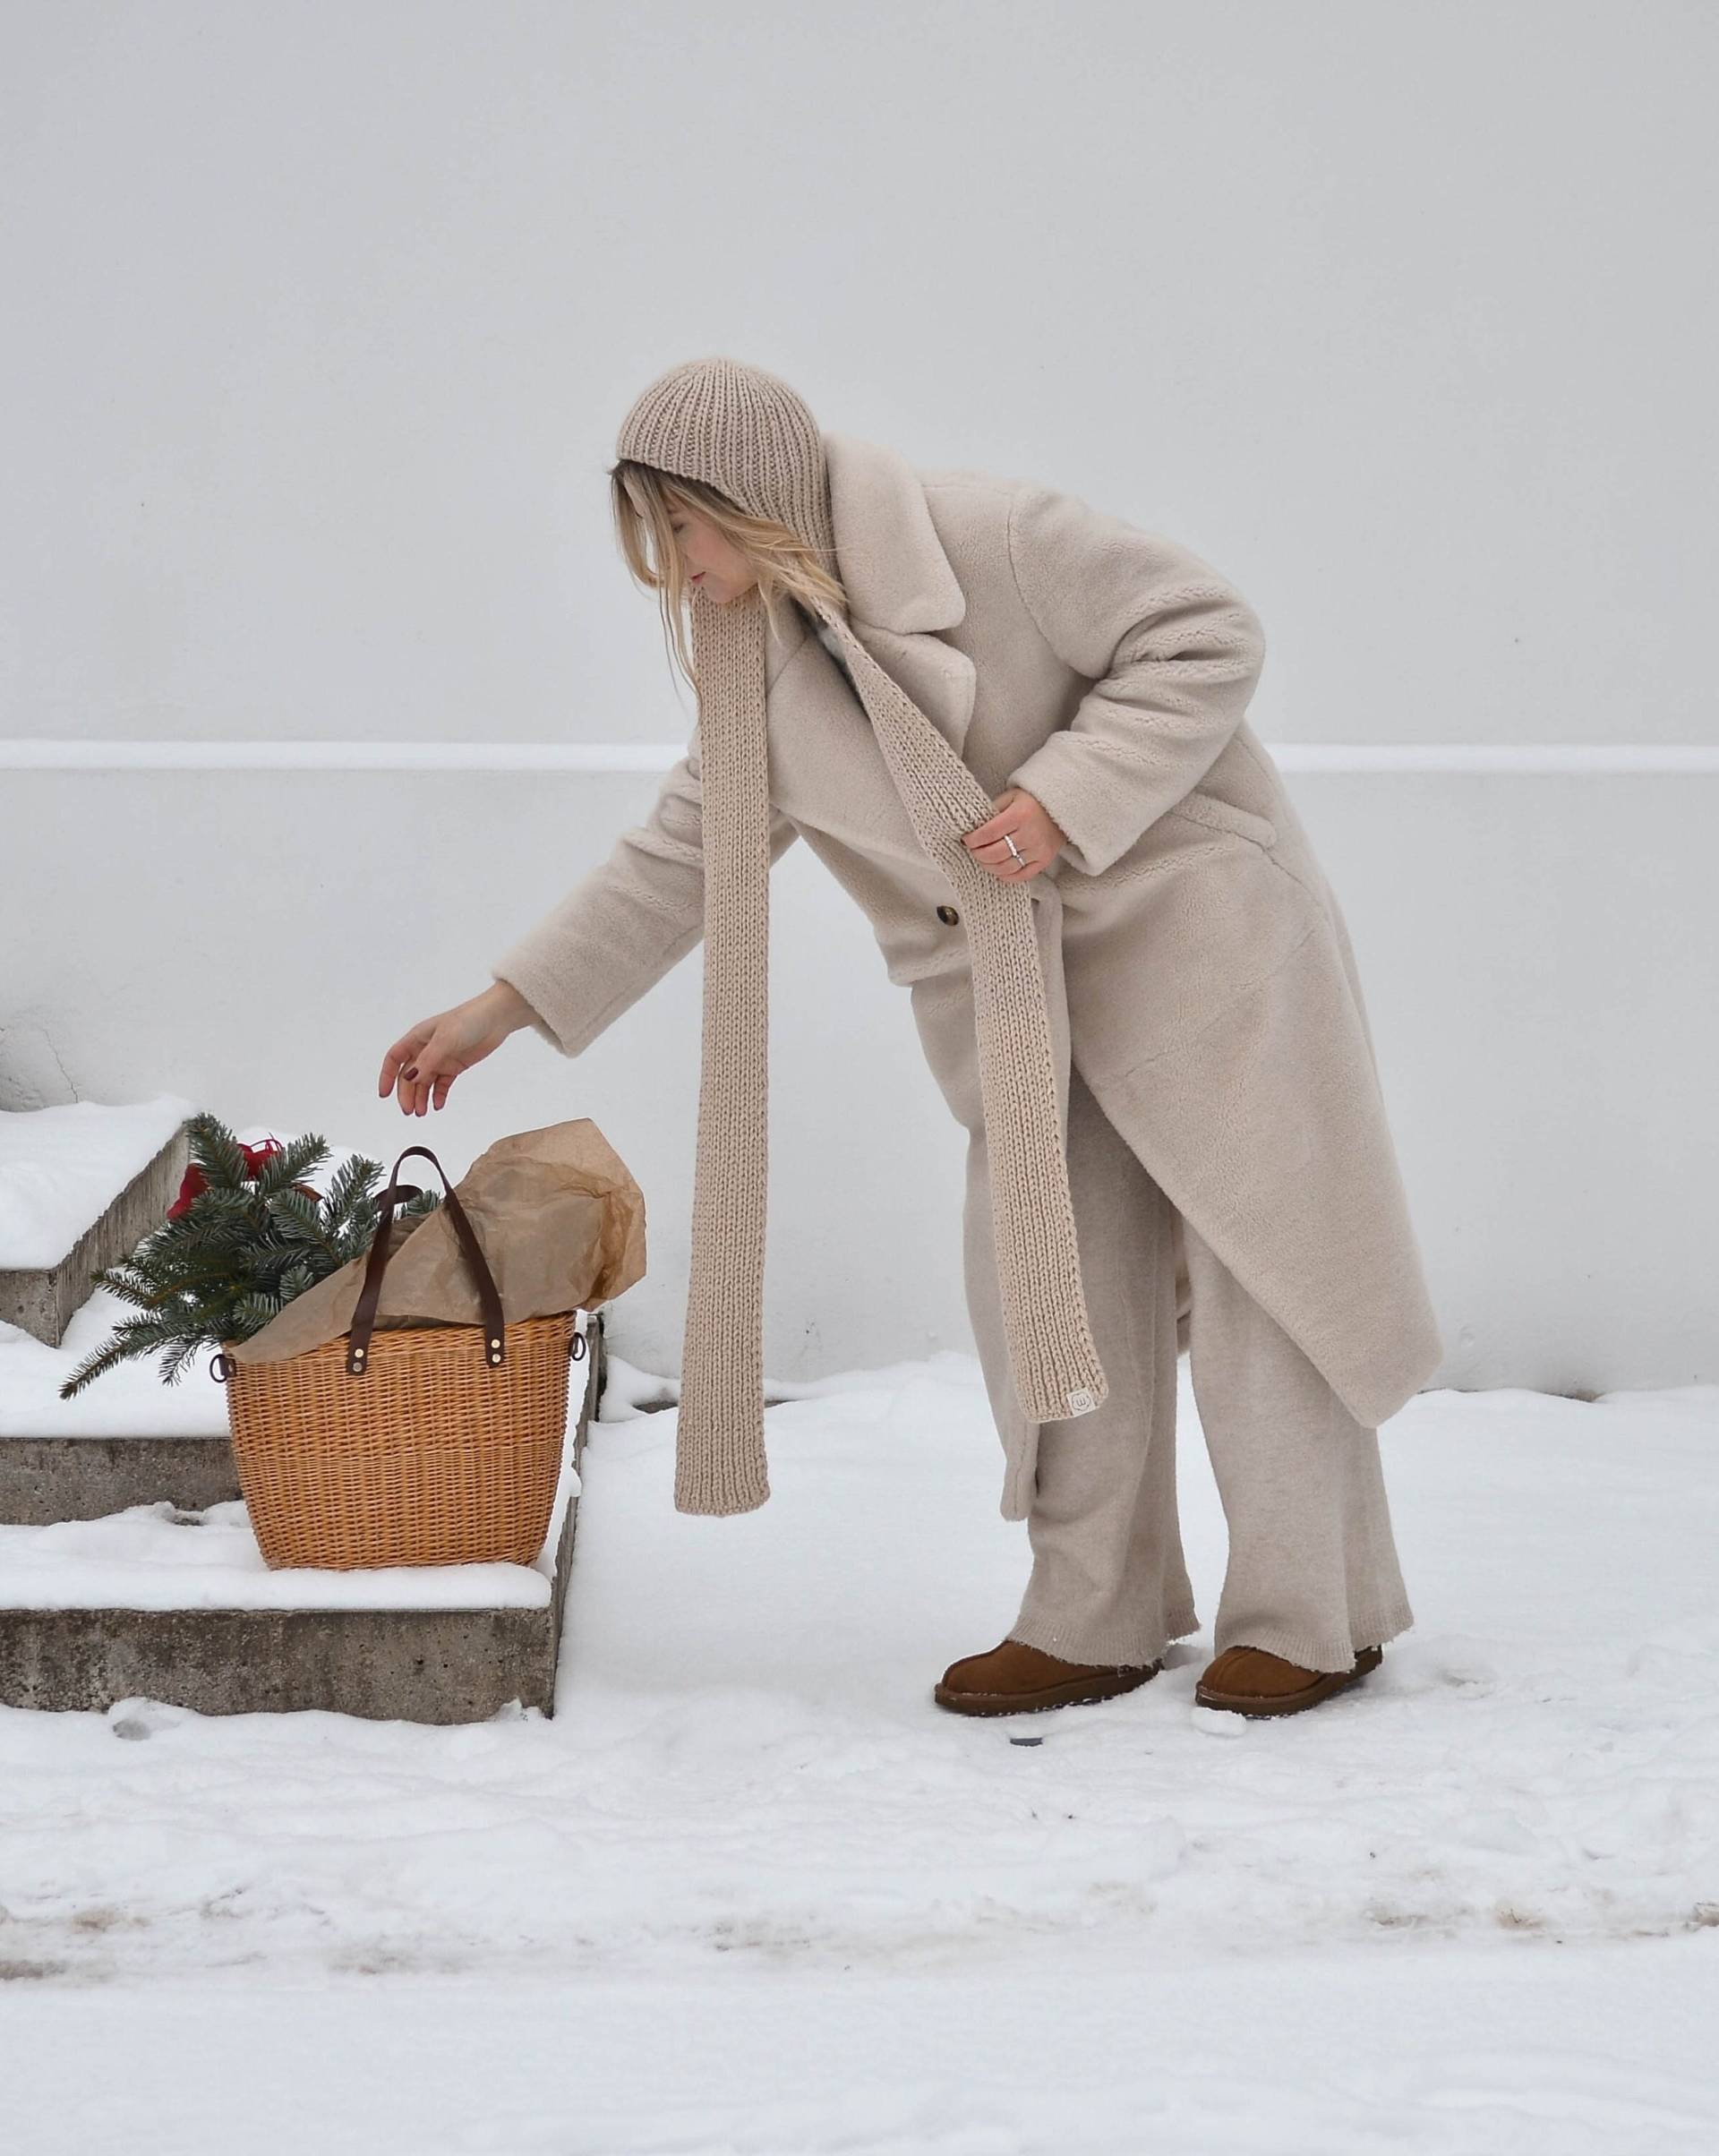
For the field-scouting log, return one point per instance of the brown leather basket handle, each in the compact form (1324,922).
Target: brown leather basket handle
(363,1315)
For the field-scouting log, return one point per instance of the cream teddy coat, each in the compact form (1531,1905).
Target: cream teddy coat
(1197,965)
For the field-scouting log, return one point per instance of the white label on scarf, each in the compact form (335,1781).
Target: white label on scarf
(1081,1400)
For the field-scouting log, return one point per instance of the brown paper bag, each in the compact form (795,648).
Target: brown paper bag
(561,1220)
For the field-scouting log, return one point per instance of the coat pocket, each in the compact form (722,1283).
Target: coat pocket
(1201,807)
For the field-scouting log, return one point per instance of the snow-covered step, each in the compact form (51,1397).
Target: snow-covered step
(126,1439)
(80,1186)
(178,1606)
(45,1479)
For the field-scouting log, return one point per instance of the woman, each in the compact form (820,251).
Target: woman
(1013,727)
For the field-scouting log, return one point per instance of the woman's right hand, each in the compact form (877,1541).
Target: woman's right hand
(425,1060)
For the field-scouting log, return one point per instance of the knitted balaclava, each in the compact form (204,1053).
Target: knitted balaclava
(750,435)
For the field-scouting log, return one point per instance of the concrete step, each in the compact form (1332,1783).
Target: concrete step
(43,1479)
(433,1664)
(104,1223)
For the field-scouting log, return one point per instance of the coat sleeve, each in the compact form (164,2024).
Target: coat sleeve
(627,922)
(1173,653)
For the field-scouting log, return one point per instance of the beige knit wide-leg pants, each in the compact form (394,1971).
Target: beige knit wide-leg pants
(1313,1571)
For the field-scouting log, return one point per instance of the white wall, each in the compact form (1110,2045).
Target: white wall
(321,321)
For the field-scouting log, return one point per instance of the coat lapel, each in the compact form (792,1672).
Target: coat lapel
(900,588)
(826,768)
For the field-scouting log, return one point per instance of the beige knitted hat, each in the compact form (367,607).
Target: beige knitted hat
(749,434)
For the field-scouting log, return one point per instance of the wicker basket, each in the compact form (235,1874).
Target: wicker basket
(420,1444)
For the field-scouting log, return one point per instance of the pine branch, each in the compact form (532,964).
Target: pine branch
(131,1287)
(173,1362)
(291,1164)
(346,1187)
(130,1336)
(215,1150)
(298,1218)
(364,1197)
(207,1210)
(252,1312)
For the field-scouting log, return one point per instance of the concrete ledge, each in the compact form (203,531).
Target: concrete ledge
(43,1479)
(43,1300)
(415,1665)
(410,1666)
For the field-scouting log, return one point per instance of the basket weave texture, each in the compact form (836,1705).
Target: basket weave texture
(432,1456)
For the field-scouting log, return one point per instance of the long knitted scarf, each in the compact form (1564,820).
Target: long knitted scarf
(720,1464)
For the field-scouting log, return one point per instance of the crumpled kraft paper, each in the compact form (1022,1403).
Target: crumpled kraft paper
(561,1220)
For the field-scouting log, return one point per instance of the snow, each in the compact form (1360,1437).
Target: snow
(149,1558)
(1334,2052)
(129,1400)
(751,1893)
(60,1168)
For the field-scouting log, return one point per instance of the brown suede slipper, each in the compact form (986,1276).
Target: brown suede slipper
(1015,1679)
(1248,1680)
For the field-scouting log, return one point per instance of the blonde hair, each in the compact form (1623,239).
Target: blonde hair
(644,501)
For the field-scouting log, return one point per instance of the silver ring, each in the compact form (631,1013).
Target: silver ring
(1013,849)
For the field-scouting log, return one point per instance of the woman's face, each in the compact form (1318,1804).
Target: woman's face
(720,571)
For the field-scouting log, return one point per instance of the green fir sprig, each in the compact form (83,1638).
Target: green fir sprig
(245,1237)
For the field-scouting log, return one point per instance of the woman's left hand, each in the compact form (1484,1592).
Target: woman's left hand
(1025,820)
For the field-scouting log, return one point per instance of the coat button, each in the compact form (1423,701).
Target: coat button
(947,913)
